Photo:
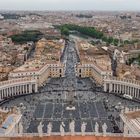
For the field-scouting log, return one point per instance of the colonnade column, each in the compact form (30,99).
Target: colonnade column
(11,91)
(105,87)
(130,90)
(137,93)
(36,88)
(120,88)
(30,88)
(20,90)
(110,87)
(23,89)
(134,92)
(26,89)
(8,92)
(114,88)
(127,90)
(2,93)
(117,87)
(123,89)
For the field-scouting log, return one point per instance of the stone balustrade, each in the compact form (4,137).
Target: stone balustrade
(25,135)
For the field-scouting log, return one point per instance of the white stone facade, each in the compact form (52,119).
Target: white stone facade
(17,87)
(122,86)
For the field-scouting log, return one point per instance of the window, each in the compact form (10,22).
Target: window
(60,70)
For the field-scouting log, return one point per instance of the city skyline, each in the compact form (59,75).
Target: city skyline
(100,5)
(70,69)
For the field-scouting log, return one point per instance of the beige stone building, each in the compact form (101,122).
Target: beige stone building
(38,70)
(95,62)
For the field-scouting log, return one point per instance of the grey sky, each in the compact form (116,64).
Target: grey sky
(70,5)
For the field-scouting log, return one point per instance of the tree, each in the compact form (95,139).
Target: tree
(90,31)
(65,31)
(25,36)
(110,40)
(116,42)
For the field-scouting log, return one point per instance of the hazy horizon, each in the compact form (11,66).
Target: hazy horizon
(70,5)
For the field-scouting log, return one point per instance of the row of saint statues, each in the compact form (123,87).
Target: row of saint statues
(62,128)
